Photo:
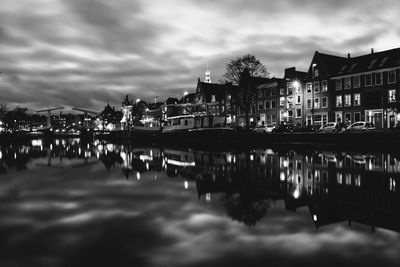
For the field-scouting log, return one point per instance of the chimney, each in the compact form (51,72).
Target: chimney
(348,55)
(372,50)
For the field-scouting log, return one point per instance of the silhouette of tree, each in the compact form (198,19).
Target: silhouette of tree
(236,66)
(240,71)
(245,208)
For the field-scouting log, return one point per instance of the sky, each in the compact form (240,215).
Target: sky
(83,53)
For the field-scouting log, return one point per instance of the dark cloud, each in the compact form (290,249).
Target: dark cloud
(102,49)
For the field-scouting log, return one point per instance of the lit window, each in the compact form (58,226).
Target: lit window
(309,87)
(356,81)
(316,103)
(347,83)
(347,100)
(378,78)
(392,96)
(316,87)
(339,84)
(392,76)
(357,99)
(316,72)
(339,101)
(324,85)
(282,101)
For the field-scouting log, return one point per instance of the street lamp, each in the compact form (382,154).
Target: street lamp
(296,85)
(312,92)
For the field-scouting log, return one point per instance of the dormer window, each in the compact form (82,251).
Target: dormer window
(316,72)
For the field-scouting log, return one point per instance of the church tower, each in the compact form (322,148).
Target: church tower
(207,77)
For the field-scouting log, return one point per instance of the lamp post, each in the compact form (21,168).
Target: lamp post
(312,93)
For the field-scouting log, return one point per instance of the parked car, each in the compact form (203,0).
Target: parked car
(264,129)
(332,127)
(360,126)
(283,128)
(305,129)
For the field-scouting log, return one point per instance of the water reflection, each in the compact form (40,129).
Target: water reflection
(334,186)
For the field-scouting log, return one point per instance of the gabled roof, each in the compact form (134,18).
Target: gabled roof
(335,66)
(370,62)
(219,90)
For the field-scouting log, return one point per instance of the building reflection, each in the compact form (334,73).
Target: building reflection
(335,186)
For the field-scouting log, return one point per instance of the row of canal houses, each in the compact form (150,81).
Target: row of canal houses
(334,89)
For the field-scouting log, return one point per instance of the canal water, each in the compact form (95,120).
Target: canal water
(69,203)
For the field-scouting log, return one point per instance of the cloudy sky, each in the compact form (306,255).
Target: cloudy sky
(85,52)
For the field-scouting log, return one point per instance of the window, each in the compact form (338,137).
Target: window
(309,87)
(324,119)
(228,97)
(368,79)
(316,72)
(316,87)
(309,103)
(372,63)
(260,93)
(273,118)
(324,102)
(273,104)
(347,83)
(309,120)
(347,117)
(338,116)
(347,100)
(260,105)
(267,104)
(392,76)
(324,86)
(357,99)
(282,91)
(356,81)
(298,99)
(298,113)
(357,116)
(339,84)
(338,101)
(316,103)
(378,78)
(212,98)
(282,101)
(392,96)
(289,88)
(298,88)
(273,92)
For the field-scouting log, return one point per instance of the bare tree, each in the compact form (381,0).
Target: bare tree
(236,66)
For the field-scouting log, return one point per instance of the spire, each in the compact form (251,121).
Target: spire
(207,77)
